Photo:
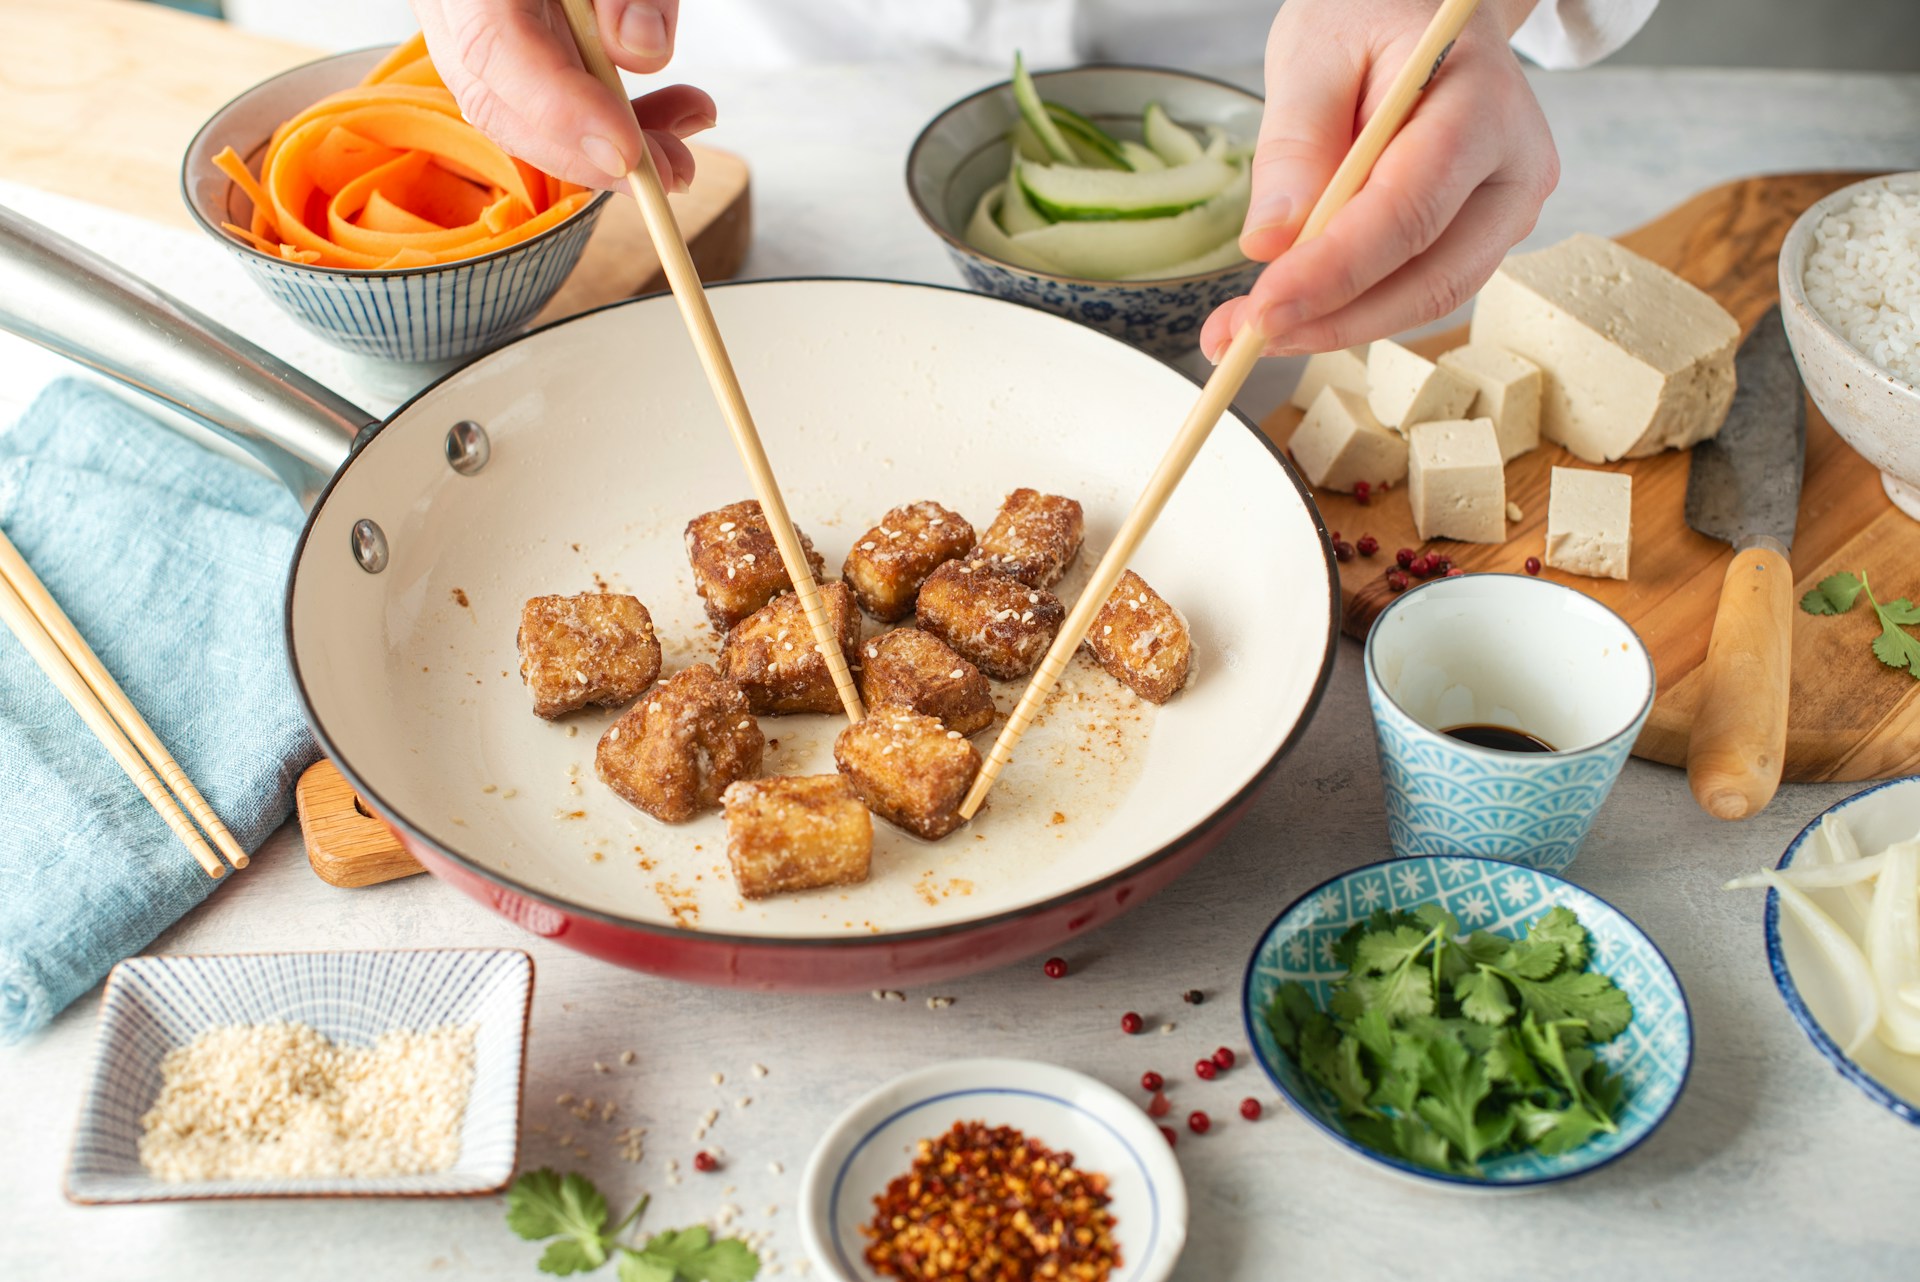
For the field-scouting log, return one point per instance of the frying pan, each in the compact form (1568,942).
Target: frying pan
(572,457)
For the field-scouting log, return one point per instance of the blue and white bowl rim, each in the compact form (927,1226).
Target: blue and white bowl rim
(1790,992)
(1425,1173)
(241,247)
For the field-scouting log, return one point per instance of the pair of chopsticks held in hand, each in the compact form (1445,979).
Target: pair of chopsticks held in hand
(49,637)
(1228,376)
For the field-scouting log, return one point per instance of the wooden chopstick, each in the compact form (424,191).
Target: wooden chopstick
(684,279)
(54,621)
(1217,396)
(40,644)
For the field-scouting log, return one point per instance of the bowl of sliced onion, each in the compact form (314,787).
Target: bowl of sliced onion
(1113,195)
(1843,939)
(357,197)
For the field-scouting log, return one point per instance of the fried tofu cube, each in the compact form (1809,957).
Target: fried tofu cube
(1142,641)
(597,647)
(771,654)
(910,769)
(675,752)
(889,562)
(1034,537)
(796,833)
(919,671)
(736,564)
(991,619)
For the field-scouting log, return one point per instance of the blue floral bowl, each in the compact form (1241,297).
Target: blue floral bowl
(963,151)
(1654,1054)
(440,313)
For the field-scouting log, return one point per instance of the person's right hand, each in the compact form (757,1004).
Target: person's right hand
(513,69)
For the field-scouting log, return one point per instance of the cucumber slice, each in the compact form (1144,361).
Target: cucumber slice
(1034,113)
(1140,158)
(1146,247)
(984,232)
(1026,143)
(1071,194)
(1217,143)
(1169,141)
(1017,213)
(1226,254)
(1085,136)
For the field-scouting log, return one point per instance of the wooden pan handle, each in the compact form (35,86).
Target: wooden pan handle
(1739,739)
(346,845)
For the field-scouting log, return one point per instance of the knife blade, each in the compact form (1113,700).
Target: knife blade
(1743,487)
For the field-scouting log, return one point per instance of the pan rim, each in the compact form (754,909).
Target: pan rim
(1212,820)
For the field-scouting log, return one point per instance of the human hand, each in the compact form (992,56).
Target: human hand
(513,68)
(1459,186)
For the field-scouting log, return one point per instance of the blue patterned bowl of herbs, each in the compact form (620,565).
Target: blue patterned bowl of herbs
(1468,1022)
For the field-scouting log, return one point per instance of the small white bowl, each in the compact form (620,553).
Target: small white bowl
(1872,410)
(1878,817)
(438,313)
(154,1004)
(873,1142)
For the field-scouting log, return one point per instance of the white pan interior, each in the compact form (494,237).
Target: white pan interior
(605,441)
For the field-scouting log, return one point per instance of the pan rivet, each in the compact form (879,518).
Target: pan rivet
(468,448)
(369,546)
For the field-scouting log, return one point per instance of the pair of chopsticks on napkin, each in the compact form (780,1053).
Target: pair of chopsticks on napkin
(1215,398)
(29,611)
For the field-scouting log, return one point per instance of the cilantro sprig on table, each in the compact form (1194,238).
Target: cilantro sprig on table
(1445,1049)
(570,1210)
(1894,647)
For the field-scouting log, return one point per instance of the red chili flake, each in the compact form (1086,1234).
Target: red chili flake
(1151,1081)
(992,1204)
(1223,1057)
(1198,1122)
(1367,545)
(1207,1069)
(1131,1023)
(1250,1109)
(1056,968)
(1396,580)
(1533,565)
(1173,1136)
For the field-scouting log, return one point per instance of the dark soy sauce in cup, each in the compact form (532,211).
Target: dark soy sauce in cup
(1498,738)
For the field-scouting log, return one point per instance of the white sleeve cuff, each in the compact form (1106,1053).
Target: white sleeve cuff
(1577,33)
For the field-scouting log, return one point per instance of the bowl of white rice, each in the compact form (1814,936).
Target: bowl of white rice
(1850,297)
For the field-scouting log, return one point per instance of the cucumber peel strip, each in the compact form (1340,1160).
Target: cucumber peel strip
(1034,112)
(1068,194)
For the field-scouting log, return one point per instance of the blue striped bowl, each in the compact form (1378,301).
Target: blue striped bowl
(154,1004)
(439,313)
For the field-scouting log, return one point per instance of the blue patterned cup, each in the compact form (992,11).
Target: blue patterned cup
(1502,650)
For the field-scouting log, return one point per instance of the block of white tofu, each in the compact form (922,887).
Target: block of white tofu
(1340,442)
(1506,389)
(1635,360)
(1405,387)
(1457,481)
(1345,369)
(1590,522)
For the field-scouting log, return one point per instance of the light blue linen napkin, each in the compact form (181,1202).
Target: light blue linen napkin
(172,562)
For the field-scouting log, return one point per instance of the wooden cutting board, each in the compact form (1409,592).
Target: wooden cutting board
(1850,718)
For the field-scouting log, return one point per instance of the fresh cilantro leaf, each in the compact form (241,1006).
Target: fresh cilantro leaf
(1834,594)
(1374,1031)
(543,1204)
(1399,1074)
(1382,952)
(1900,610)
(695,1256)
(1437,920)
(1483,997)
(1559,925)
(1292,1006)
(1584,996)
(1454,1083)
(635,1267)
(1480,948)
(1896,648)
(1403,994)
(1508,1062)
(1419,1142)
(1556,1130)
(1606,1090)
(572,1255)
(1334,1061)
(1532,958)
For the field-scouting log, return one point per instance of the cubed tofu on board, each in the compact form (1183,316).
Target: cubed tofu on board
(1142,641)
(675,752)
(910,770)
(597,647)
(993,620)
(1340,443)
(736,564)
(796,833)
(1034,537)
(889,562)
(1457,485)
(918,670)
(772,656)
(1590,522)
(1506,390)
(1404,387)
(1345,368)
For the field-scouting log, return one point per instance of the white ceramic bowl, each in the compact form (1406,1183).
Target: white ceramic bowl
(873,1142)
(964,150)
(1878,817)
(438,313)
(154,1004)
(1875,412)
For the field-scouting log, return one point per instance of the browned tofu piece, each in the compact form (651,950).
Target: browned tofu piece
(889,562)
(909,769)
(919,671)
(796,833)
(673,753)
(1142,640)
(736,564)
(993,620)
(597,647)
(771,654)
(1034,537)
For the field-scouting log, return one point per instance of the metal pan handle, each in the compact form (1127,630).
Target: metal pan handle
(74,302)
